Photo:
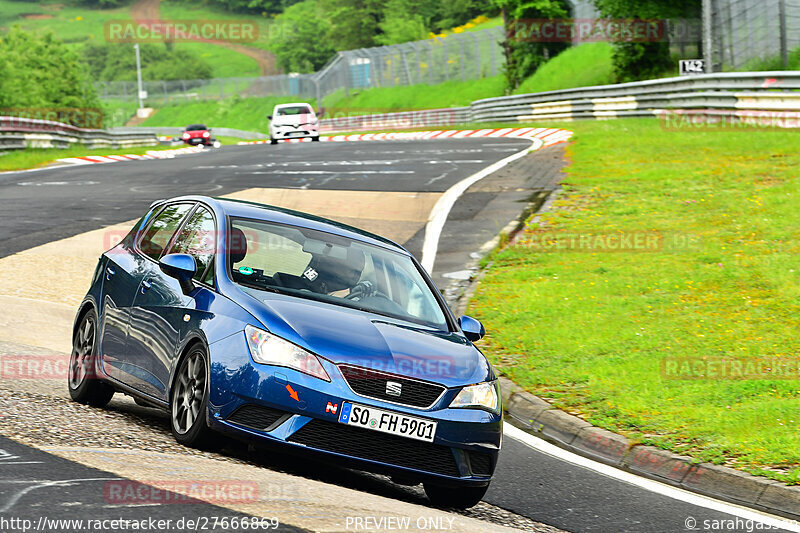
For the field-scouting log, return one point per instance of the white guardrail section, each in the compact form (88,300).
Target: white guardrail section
(771,96)
(18,133)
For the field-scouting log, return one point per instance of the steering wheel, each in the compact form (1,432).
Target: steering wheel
(364,289)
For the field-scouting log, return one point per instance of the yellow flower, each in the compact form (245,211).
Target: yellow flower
(78,18)
(458,29)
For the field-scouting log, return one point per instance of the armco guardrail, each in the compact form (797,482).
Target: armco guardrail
(18,133)
(177,131)
(741,92)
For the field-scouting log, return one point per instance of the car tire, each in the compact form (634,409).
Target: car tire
(454,497)
(189,401)
(315,139)
(273,141)
(82,382)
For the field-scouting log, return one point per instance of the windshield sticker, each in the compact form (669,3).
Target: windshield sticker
(310,274)
(246,271)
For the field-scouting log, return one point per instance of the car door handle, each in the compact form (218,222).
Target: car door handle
(146,284)
(110,272)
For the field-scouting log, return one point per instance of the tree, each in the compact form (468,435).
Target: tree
(524,57)
(352,23)
(298,38)
(636,61)
(110,62)
(39,71)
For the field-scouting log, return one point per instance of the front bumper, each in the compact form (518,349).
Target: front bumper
(291,132)
(196,141)
(254,402)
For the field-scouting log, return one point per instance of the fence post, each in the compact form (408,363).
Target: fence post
(782,22)
(708,28)
(430,63)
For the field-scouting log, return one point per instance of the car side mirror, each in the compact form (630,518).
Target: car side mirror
(472,328)
(180,267)
(269,117)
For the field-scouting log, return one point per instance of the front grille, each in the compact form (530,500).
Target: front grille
(481,463)
(372,384)
(375,446)
(257,417)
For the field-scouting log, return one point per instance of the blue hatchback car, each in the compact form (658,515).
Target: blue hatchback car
(277,326)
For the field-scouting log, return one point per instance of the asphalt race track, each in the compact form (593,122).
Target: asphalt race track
(44,206)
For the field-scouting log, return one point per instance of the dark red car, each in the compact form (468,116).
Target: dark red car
(196,134)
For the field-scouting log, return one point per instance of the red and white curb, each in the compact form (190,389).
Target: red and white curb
(152,154)
(549,136)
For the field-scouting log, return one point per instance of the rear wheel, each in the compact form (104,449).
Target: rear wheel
(454,497)
(189,401)
(84,387)
(315,139)
(273,141)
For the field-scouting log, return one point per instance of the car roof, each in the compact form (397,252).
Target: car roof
(271,213)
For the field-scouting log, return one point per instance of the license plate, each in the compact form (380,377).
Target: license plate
(412,427)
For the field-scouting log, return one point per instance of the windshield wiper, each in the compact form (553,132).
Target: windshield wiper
(267,288)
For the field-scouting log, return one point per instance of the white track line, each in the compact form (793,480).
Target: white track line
(438,216)
(675,493)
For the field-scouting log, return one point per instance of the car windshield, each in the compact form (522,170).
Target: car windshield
(328,268)
(196,127)
(294,110)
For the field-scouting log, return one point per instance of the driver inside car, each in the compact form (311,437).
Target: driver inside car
(340,277)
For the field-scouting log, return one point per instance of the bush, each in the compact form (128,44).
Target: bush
(115,62)
(38,71)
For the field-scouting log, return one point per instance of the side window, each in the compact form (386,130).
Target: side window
(160,231)
(197,238)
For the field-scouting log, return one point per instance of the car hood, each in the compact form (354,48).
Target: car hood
(349,336)
(303,118)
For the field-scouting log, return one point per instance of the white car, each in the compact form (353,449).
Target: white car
(293,121)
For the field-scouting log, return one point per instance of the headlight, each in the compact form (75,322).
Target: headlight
(481,396)
(185,135)
(269,349)
(206,134)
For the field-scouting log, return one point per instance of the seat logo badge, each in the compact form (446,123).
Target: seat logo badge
(394,388)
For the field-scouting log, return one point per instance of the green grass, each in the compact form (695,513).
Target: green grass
(590,330)
(72,23)
(389,99)
(39,157)
(249,114)
(224,63)
(77,25)
(774,63)
(578,66)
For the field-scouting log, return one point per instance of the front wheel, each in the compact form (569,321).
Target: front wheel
(273,141)
(454,497)
(84,387)
(189,401)
(315,139)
